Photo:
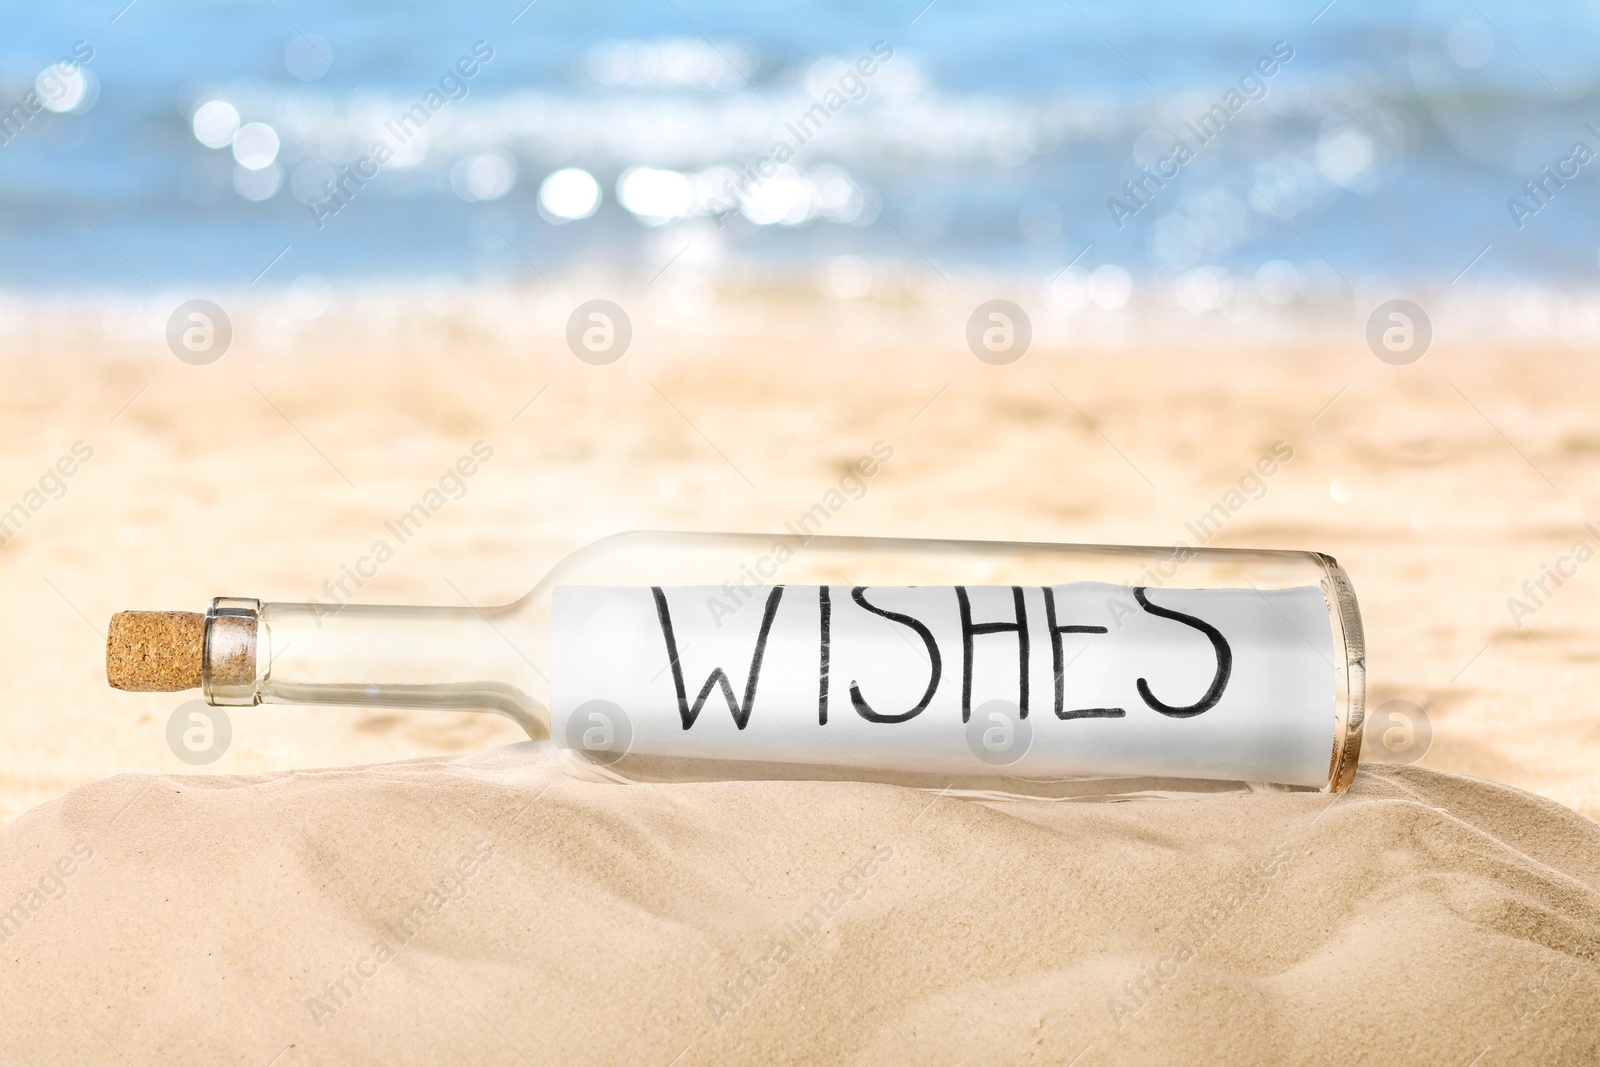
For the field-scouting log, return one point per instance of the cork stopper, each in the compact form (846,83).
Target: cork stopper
(155,651)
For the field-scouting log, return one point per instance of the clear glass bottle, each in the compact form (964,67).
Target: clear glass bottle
(694,656)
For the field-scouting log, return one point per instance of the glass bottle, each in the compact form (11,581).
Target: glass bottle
(1008,667)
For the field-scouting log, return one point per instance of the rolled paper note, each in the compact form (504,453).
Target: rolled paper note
(1078,679)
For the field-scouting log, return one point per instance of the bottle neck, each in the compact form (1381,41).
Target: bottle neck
(375,656)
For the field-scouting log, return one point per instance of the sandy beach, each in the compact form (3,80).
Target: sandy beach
(489,908)
(408,311)
(1423,918)
(1466,475)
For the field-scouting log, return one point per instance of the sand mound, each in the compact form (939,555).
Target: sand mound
(488,909)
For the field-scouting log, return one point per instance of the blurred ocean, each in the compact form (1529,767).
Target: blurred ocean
(226,143)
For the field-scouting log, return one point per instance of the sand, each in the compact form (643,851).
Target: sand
(488,909)
(1425,918)
(231,479)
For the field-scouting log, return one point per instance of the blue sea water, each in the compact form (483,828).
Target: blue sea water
(1390,140)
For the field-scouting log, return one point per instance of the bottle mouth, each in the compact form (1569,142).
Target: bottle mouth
(237,652)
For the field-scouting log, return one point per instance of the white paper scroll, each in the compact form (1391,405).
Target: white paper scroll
(1097,679)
